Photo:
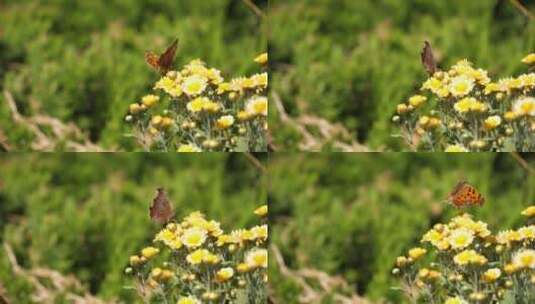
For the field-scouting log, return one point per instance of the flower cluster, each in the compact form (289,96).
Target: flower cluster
(463,110)
(195,262)
(196,109)
(463,262)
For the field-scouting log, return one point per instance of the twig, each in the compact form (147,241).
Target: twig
(327,283)
(253,160)
(329,133)
(522,9)
(3,295)
(522,162)
(4,144)
(254,8)
(59,130)
(61,284)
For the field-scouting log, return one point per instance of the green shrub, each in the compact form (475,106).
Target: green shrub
(353,214)
(352,61)
(84,214)
(82,61)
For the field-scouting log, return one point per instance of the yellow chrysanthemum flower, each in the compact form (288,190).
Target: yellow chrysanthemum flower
(461,85)
(263,210)
(461,238)
(262,58)
(188,300)
(436,86)
(417,100)
(527,233)
(491,275)
(150,100)
(469,257)
(225,122)
(170,86)
(136,108)
(202,104)
(469,104)
(257,106)
(260,232)
(524,106)
(455,300)
(528,80)
(260,80)
(257,258)
(197,257)
(136,260)
(193,237)
(507,236)
(197,104)
(455,148)
(525,258)
(149,252)
(224,274)
(169,238)
(529,211)
(243,235)
(529,59)
(416,253)
(188,148)
(492,122)
(194,85)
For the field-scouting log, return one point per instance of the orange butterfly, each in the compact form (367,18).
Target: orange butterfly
(465,195)
(163,62)
(161,210)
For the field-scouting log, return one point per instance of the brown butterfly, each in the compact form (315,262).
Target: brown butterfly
(428,60)
(163,62)
(161,210)
(465,195)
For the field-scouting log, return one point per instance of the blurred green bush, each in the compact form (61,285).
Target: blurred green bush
(353,214)
(85,214)
(83,61)
(352,61)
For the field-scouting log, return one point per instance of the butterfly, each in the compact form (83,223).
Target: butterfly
(465,195)
(428,60)
(161,210)
(163,62)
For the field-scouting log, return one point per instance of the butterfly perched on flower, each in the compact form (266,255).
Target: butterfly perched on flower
(161,210)
(428,59)
(465,195)
(162,63)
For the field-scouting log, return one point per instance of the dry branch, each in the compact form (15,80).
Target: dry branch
(62,285)
(329,133)
(329,284)
(61,131)
(254,8)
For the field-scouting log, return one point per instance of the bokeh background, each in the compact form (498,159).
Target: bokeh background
(340,220)
(340,67)
(84,214)
(82,62)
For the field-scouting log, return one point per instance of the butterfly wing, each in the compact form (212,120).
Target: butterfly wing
(465,195)
(166,59)
(428,59)
(161,211)
(152,60)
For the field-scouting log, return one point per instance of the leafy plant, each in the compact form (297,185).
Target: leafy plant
(203,112)
(203,263)
(468,263)
(470,112)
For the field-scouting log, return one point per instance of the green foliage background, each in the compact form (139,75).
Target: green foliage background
(353,214)
(352,61)
(85,214)
(82,61)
